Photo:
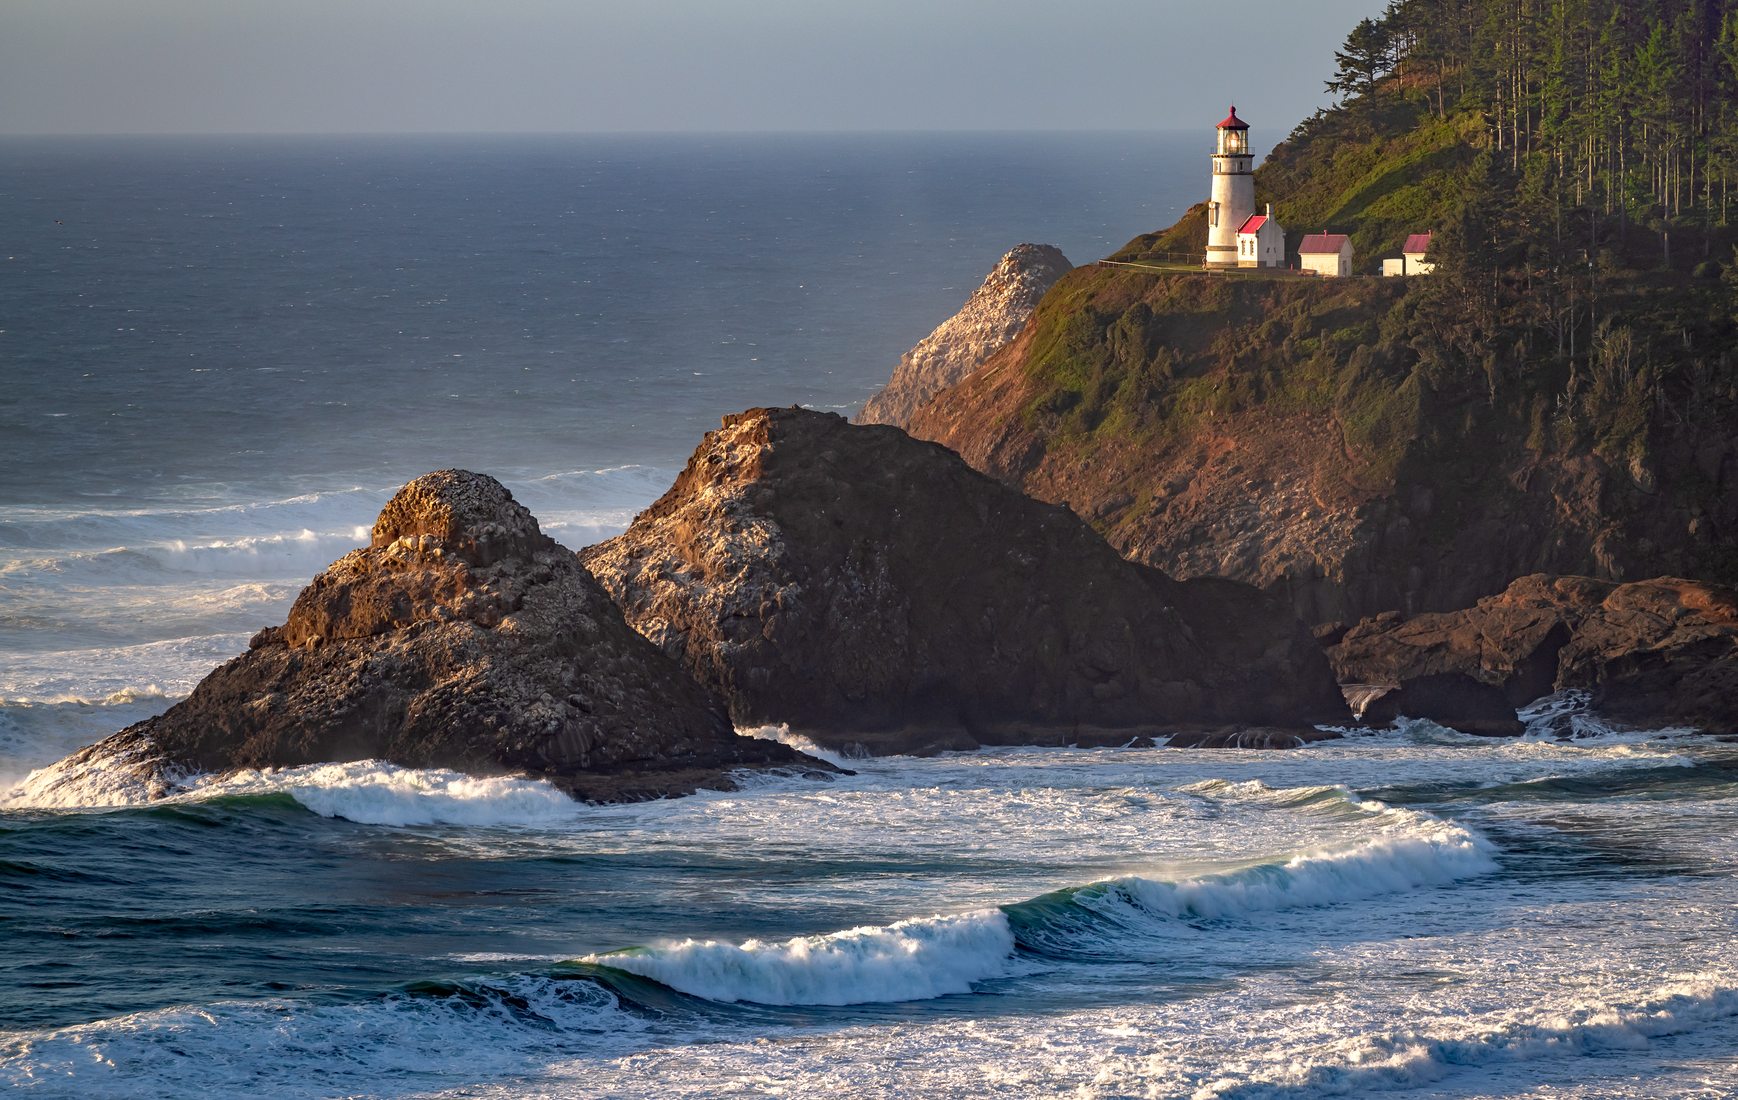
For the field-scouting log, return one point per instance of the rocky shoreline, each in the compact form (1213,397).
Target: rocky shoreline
(869,591)
(461,637)
(876,594)
(1654,653)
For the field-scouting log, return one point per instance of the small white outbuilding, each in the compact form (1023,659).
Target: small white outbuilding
(1261,241)
(1327,254)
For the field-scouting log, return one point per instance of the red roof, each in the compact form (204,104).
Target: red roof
(1417,244)
(1255,222)
(1232,122)
(1317,244)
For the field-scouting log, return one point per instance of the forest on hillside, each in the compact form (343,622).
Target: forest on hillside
(1593,111)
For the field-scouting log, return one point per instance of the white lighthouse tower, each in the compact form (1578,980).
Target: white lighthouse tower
(1233,199)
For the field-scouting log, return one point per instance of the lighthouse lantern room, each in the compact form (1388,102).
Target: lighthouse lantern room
(1233,201)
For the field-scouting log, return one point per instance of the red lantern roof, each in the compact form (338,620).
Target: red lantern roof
(1232,122)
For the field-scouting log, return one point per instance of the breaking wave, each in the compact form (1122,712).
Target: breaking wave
(367,792)
(930,957)
(783,735)
(911,960)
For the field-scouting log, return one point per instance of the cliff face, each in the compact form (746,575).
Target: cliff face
(870,589)
(1319,439)
(1655,652)
(461,637)
(992,316)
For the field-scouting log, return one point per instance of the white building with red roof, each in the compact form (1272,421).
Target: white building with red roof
(1416,250)
(1328,254)
(1261,241)
(1233,200)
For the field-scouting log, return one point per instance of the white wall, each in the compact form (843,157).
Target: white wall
(1330,264)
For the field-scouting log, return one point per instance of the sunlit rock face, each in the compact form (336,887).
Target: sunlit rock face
(990,319)
(871,589)
(460,637)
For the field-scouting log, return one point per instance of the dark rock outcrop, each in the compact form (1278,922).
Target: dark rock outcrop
(461,637)
(871,589)
(991,317)
(1656,652)
(1257,737)
(1451,699)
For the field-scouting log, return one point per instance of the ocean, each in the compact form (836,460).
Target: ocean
(221,356)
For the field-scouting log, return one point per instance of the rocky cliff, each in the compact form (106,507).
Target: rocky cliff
(461,637)
(1651,653)
(1327,441)
(992,316)
(870,589)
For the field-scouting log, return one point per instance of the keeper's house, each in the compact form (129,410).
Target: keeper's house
(1261,241)
(1326,254)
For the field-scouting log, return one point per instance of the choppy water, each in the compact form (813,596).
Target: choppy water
(1416,910)
(1416,913)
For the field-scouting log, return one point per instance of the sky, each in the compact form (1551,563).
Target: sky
(390,66)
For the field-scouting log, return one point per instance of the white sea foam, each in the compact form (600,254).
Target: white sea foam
(1434,854)
(911,960)
(393,1045)
(126,776)
(1240,1043)
(1423,1054)
(372,793)
(783,735)
(367,792)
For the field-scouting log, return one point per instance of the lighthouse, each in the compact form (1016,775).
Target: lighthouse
(1233,201)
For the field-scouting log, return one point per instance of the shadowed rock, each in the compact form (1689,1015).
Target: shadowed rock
(1657,652)
(1451,699)
(868,588)
(462,637)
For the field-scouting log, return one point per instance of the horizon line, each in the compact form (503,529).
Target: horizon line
(865,132)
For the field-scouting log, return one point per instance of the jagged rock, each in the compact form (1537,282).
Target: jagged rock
(874,591)
(991,317)
(1656,652)
(461,637)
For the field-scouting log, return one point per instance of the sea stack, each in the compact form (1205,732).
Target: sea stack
(462,637)
(873,590)
(990,319)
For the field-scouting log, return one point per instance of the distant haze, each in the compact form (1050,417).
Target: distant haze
(378,66)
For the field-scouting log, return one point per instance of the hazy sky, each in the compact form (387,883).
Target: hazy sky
(323,66)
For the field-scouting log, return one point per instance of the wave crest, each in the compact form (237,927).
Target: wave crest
(368,792)
(911,960)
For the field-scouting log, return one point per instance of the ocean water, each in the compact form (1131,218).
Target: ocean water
(219,359)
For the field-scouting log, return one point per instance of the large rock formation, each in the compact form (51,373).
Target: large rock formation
(461,637)
(868,588)
(992,316)
(1325,441)
(1652,653)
